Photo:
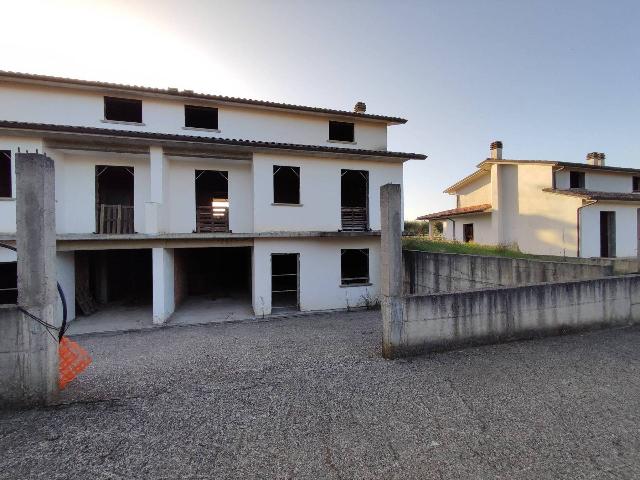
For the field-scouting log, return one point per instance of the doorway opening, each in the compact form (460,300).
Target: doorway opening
(212,201)
(608,234)
(285,285)
(114,199)
(467,232)
(354,192)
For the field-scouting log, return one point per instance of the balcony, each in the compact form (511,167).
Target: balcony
(114,219)
(214,218)
(354,219)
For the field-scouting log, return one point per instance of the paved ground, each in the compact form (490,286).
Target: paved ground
(311,398)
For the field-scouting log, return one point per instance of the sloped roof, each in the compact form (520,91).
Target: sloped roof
(595,195)
(456,212)
(189,94)
(256,144)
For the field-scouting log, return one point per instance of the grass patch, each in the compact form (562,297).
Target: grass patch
(443,246)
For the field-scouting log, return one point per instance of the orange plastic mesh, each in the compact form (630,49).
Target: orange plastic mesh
(73,360)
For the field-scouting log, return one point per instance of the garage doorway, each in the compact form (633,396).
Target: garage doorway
(608,234)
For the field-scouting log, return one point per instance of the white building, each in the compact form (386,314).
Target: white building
(183,197)
(547,207)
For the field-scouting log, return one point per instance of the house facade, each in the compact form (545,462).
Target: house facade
(547,207)
(172,196)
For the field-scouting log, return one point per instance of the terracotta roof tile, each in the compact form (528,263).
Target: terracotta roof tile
(456,211)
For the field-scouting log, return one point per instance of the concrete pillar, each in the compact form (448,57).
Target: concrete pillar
(28,354)
(156,213)
(163,284)
(66,274)
(391,269)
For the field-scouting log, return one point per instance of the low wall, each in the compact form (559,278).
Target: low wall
(446,321)
(426,272)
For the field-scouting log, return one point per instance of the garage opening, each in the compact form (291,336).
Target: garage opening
(212,201)
(354,188)
(114,199)
(285,287)
(212,284)
(114,286)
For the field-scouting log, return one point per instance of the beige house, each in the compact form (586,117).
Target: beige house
(547,207)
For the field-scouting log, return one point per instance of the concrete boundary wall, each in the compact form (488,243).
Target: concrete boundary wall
(427,272)
(454,320)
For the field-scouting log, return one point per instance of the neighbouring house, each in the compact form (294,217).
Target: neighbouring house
(167,196)
(547,207)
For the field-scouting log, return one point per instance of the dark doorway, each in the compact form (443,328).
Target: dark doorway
(354,194)
(212,201)
(285,287)
(113,276)
(215,272)
(467,232)
(114,199)
(608,234)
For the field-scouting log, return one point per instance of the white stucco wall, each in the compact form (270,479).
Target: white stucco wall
(319,192)
(182,198)
(482,229)
(320,271)
(546,223)
(75,188)
(626,229)
(598,181)
(477,192)
(66,106)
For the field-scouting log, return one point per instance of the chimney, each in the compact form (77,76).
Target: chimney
(360,107)
(495,150)
(596,159)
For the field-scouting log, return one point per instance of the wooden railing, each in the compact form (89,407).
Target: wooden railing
(114,219)
(212,219)
(354,219)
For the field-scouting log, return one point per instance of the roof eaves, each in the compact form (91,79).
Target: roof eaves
(35,127)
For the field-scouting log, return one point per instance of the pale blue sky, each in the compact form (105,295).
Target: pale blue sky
(551,79)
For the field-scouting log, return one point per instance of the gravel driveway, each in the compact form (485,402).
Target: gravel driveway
(310,397)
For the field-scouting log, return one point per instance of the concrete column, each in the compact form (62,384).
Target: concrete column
(163,284)
(66,275)
(28,354)
(391,269)
(156,211)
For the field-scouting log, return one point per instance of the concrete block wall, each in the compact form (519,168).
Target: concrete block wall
(426,272)
(454,320)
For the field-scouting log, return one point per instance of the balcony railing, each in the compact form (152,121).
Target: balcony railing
(114,219)
(212,219)
(354,219)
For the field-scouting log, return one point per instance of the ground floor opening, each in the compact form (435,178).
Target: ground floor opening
(212,284)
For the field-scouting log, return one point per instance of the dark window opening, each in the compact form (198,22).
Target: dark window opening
(284,281)
(608,234)
(576,179)
(114,199)
(212,201)
(636,184)
(5,174)
(286,184)
(8,283)
(341,131)
(354,192)
(123,109)
(201,117)
(354,266)
(467,232)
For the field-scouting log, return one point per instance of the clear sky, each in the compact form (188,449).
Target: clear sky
(552,79)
